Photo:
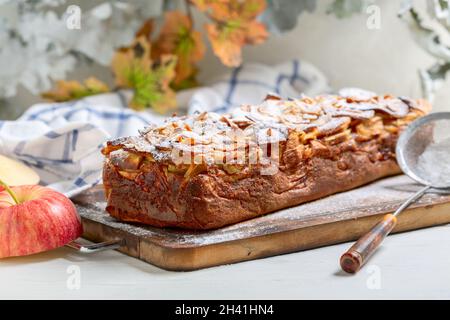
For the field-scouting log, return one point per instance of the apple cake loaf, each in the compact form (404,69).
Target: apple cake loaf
(206,170)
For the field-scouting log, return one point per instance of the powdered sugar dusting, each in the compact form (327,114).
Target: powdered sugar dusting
(434,164)
(377,198)
(269,122)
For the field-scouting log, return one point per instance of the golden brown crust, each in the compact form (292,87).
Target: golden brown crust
(209,203)
(144,185)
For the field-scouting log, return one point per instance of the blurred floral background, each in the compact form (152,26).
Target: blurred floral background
(60,50)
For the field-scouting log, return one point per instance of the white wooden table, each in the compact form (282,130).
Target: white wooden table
(410,265)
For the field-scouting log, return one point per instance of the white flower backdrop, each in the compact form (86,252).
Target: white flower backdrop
(37,47)
(41,48)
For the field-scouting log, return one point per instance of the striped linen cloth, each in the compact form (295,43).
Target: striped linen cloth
(62,141)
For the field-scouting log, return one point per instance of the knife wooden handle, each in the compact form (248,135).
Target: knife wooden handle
(353,260)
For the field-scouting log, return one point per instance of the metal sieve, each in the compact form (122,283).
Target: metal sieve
(423,153)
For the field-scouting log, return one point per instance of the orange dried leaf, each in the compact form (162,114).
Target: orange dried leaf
(234,26)
(72,90)
(238,10)
(228,48)
(202,5)
(146,29)
(177,37)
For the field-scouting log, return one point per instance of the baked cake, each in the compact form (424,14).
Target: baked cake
(207,170)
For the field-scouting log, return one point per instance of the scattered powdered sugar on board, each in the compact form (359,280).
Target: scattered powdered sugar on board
(379,197)
(433,164)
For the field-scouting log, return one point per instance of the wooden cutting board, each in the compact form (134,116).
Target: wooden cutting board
(335,219)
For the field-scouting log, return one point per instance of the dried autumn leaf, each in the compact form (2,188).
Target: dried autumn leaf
(152,89)
(72,90)
(234,27)
(177,37)
(146,29)
(203,5)
(133,68)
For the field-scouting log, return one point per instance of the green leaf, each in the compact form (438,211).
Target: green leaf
(133,68)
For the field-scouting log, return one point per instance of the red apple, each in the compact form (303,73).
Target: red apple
(35,219)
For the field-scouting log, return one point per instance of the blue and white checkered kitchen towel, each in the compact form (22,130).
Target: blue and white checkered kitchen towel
(62,141)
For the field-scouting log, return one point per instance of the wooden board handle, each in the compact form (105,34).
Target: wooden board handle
(360,252)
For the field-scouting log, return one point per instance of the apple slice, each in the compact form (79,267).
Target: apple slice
(15,173)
